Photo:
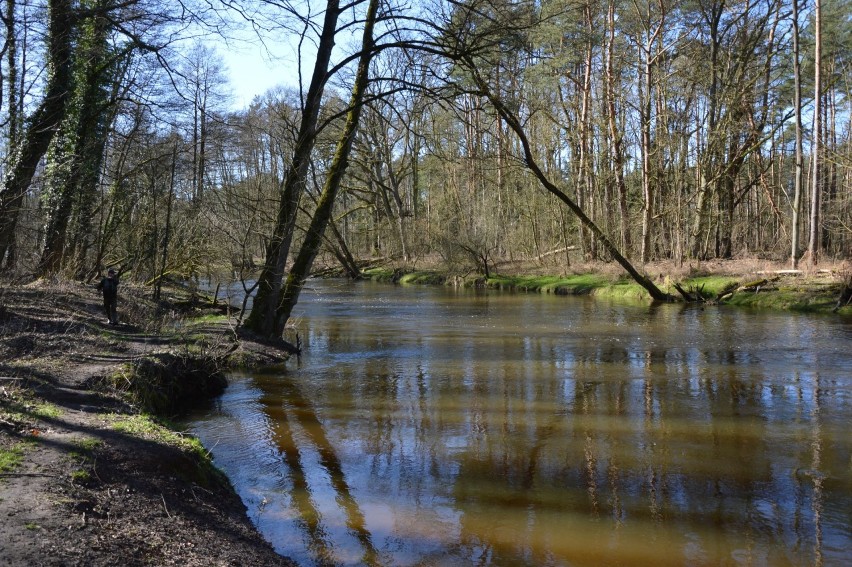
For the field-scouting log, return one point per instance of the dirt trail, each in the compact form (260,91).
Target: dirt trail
(80,485)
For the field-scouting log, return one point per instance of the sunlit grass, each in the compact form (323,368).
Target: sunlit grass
(711,285)
(623,289)
(786,299)
(208,319)
(567,285)
(378,274)
(146,427)
(193,463)
(10,458)
(45,410)
(18,407)
(423,278)
(784,296)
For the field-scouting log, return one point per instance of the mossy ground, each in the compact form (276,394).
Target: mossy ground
(815,293)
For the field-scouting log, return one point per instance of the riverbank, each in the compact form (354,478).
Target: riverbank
(749,283)
(87,475)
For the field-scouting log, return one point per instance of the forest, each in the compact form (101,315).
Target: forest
(459,133)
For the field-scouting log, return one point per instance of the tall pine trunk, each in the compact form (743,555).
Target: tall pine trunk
(814,240)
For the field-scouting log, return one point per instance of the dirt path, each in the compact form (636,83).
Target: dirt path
(84,479)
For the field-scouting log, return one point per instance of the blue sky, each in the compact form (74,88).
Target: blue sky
(252,73)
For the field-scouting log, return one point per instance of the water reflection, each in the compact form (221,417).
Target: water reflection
(434,427)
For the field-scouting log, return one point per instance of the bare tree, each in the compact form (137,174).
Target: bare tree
(798,173)
(320,219)
(264,318)
(816,148)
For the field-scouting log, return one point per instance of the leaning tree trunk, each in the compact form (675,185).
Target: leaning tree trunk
(313,238)
(343,254)
(263,319)
(515,124)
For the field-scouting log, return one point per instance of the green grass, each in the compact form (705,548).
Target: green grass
(570,285)
(789,299)
(45,410)
(778,295)
(195,464)
(146,427)
(85,448)
(385,275)
(207,319)
(81,476)
(378,274)
(623,289)
(88,445)
(10,458)
(20,407)
(423,278)
(710,285)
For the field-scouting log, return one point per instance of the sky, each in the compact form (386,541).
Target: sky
(252,74)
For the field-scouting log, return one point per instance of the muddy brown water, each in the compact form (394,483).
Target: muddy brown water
(430,426)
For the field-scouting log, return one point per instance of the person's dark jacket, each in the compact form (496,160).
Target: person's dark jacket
(109,286)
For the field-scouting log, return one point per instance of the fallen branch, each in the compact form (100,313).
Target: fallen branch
(693,295)
(11,474)
(557,251)
(782,272)
(166,508)
(753,286)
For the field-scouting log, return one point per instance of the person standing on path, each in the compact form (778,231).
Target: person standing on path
(109,287)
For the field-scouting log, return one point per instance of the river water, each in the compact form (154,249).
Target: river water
(432,426)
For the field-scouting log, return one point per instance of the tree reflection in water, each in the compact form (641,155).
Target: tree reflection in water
(427,426)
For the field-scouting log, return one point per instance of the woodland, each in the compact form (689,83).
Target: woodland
(462,133)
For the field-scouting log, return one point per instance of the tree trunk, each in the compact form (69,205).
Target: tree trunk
(814,240)
(14,110)
(313,237)
(263,318)
(343,254)
(713,149)
(77,149)
(799,170)
(616,138)
(584,182)
(12,76)
(42,125)
(167,236)
(515,124)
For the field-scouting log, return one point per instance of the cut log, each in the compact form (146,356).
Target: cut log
(557,251)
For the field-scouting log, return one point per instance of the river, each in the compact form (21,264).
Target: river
(434,426)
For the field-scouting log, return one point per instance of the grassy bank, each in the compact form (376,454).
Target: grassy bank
(812,293)
(88,456)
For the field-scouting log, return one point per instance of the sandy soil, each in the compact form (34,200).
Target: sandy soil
(83,492)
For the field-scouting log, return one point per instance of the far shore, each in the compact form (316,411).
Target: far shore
(754,284)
